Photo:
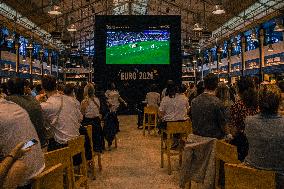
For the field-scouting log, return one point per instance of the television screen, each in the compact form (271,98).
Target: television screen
(143,47)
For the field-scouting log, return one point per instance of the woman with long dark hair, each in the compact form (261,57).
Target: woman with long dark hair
(245,105)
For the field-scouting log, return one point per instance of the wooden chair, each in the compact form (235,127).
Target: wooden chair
(94,154)
(240,176)
(50,178)
(76,146)
(224,153)
(151,113)
(62,156)
(183,128)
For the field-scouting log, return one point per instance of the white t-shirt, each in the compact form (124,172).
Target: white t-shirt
(153,99)
(92,109)
(66,125)
(113,99)
(16,127)
(174,109)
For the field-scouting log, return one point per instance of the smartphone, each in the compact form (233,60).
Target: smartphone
(30,143)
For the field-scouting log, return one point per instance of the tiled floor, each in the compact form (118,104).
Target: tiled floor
(135,164)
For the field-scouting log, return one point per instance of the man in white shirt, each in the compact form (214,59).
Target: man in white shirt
(16,127)
(63,114)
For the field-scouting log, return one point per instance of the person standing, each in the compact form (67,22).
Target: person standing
(245,105)
(90,108)
(208,112)
(111,121)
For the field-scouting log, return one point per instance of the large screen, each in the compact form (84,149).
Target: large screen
(143,47)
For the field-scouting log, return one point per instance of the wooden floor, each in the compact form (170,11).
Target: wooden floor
(135,164)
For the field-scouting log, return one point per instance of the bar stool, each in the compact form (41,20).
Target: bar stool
(184,128)
(151,113)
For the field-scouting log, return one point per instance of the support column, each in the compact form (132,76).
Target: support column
(49,61)
(218,60)
(41,52)
(210,61)
(31,67)
(261,53)
(229,50)
(17,46)
(64,71)
(243,54)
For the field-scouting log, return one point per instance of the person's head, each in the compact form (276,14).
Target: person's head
(48,83)
(89,91)
(281,86)
(171,90)
(60,87)
(69,89)
(154,88)
(222,92)
(200,87)
(245,83)
(28,87)
(38,88)
(182,88)
(269,99)
(4,88)
(211,82)
(16,86)
(247,92)
(112,86)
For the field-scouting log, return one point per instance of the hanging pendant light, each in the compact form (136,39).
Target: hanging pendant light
(72,28)
(54,10)
(218,9)
(197,27)
(10,37)
(254,36)
(279,26)
(270,48)
(30,46)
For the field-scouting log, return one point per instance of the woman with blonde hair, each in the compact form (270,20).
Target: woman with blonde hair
(90,108)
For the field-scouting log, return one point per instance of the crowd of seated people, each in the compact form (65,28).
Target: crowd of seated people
(247,115)
(51,114)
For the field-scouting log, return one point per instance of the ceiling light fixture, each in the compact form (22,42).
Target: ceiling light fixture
(218,9)
(197,27)
(270,48)
(10,37)
(253,36)
(30,46)
(54,10)
(279,26)
(72,28)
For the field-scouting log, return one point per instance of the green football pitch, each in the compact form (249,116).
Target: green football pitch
(146,52)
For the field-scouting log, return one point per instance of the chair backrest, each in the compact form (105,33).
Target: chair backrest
(61,155)
(150,110)
(224,153)
(50,178)
(76,145)
(240,176)
(179,127)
